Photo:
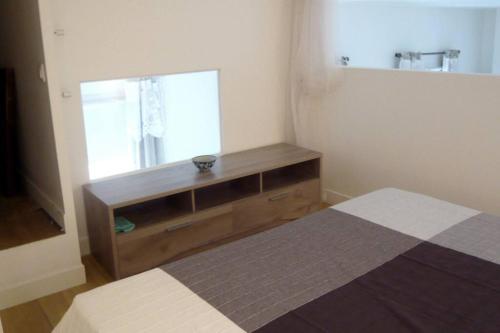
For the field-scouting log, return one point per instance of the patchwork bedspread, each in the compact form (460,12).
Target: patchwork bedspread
(389,261)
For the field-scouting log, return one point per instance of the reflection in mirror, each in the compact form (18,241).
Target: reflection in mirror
(441,36)
(138,123)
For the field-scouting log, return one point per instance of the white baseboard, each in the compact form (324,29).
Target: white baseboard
(332,197)
(49,284)
(42,199)
(84,246)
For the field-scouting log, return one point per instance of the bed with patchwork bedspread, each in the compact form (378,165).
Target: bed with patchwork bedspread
(389,261)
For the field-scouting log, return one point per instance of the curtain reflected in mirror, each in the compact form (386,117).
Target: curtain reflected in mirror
(139,123)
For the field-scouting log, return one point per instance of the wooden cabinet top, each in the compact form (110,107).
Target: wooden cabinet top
(128,189)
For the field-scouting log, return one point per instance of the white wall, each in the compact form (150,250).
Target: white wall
(488,41)
(248,40)
(37,269)
(434,133)
(21,48)
(371,33)
(496,52)
(435,3)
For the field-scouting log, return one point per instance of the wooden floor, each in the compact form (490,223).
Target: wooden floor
(41,315)
(22,222)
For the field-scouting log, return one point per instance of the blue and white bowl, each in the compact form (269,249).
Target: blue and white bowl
(204,163)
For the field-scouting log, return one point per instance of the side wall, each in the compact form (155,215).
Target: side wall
(248,40)
(438,134)
(37,269)
(22,49)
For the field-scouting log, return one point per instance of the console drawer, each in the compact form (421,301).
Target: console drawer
(282,205)
(139,254)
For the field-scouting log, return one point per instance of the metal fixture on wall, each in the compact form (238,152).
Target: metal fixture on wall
(42,73)
(59,32)
(345,61)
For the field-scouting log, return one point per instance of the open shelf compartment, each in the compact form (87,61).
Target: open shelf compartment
(289,175)
(157,211)
(228,191)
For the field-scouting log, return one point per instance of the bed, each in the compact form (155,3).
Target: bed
(388,261)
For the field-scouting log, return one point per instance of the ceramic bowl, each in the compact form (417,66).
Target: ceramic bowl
(204,163)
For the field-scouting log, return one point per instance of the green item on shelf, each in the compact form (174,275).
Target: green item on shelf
(123,225)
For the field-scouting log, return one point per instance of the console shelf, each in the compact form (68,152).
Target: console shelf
(159,210)
(291,174)
(177,209)
(218,194)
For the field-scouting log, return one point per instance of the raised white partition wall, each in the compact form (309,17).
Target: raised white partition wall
(248,41)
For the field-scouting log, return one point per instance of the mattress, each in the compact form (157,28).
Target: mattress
(389,261)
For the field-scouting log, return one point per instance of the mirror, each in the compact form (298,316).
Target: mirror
(439,35)
(138,123)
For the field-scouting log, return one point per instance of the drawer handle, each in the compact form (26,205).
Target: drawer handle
(280,196)
(180,226)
